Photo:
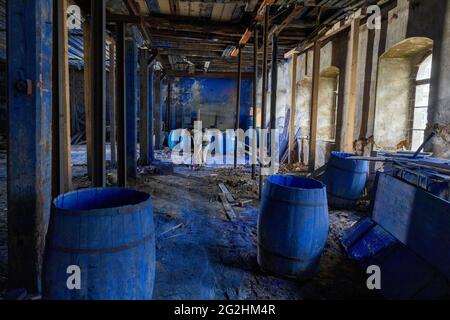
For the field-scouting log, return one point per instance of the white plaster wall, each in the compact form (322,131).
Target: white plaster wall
(393,102)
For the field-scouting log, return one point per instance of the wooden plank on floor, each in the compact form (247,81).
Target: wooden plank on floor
(226,205)
(227,193)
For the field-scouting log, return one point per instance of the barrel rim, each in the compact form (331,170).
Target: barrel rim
(322,185)
(342,155)
(129,208)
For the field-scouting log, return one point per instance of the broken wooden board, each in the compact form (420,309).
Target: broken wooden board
(227,193)
(226,205)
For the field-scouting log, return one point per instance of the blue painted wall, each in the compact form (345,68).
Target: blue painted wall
(215,98)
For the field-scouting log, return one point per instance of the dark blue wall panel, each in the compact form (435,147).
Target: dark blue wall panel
(215,98)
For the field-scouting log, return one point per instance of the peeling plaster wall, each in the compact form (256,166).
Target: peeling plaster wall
(384,88)
(393,96)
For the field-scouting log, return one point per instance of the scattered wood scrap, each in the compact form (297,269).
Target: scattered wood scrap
(317,173)
(226,205)
(227,193)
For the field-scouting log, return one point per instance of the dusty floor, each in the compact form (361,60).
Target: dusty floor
(203,255)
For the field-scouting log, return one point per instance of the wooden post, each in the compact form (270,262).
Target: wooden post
(121,107)
(168,104)
(314,106)
(255,94)
(62,164)
(238,106)
(150,133)
(112,95)
(264,90)
(157,109)
(351,113)
(98,92)
(144,136)
(131,109)
(29,182)
(87,34)
(274,84)
(293,107)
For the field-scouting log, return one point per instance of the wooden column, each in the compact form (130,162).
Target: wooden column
(314,106)
(121,106)
(168,104)
(98,92)
(144,136)
(112,95)
(157,109)
(150,133)
(352,90)
(62,166)
(264,88)
(255,92)
(87,34)
(274,84)
(131,106)
(293,107)
(238,105)
(29,90)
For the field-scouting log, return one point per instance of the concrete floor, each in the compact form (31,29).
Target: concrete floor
(201,254)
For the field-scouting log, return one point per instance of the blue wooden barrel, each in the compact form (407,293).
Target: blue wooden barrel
(292,226)
(171,141)
(345,179)
(107,233)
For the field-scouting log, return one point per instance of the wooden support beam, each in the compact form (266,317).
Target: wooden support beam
(293,108)
(98,14)
(157,22)
(29,88)
(151,122)
(87,71)
(157,109)
(264,90)
(144,104)
(314,106)
(62,164)
(255,95)
(352,88)
(274,83)
(168,104)
(131,106)
(112,95)
(238,106)
(121,106)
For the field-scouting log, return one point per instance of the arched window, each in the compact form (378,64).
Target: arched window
(422,93)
